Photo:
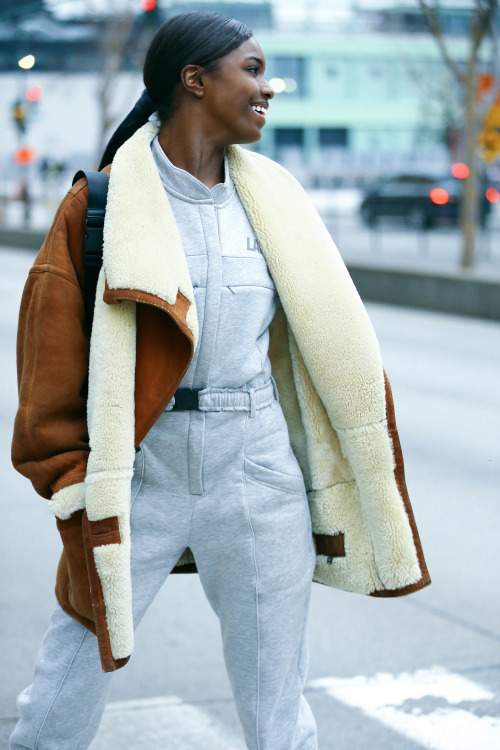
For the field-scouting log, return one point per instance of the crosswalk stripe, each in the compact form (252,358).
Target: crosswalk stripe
(159,723)
(430,706)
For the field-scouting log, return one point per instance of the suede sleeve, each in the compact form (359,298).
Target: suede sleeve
(50,440)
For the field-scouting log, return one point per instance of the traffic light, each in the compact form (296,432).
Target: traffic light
(151,14)
(19,112)
(24,155)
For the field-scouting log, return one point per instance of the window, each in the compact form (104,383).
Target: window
(289,137)
(333,137)
(292,71)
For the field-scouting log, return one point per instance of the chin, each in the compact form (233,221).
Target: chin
(253,138)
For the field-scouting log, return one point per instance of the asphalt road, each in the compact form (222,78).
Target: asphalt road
(398,674)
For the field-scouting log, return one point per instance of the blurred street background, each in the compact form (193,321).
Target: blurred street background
(388,113)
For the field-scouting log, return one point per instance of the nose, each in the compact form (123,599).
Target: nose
(267,90)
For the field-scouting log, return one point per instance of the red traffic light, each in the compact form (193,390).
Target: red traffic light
(439,196)
(460,170)
(24,155)
(492,195)
(33,94)
(148,5)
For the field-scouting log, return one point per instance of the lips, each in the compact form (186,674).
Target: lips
(261,117)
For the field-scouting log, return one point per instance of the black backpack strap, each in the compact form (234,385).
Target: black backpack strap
(92,259)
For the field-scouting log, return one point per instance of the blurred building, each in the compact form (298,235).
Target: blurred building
(371,95)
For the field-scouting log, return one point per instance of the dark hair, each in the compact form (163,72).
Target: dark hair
(196,38)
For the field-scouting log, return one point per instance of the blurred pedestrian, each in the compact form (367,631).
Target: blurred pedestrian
(188,455)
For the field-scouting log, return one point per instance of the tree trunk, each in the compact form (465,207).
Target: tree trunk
(470,204)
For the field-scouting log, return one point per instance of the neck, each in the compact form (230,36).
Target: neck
(190,148)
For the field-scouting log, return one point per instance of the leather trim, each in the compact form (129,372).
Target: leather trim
(105,531)
(177,311)
(165,348)
(399,474)
(109,663)
(163,355)
(330,545)
(72,588)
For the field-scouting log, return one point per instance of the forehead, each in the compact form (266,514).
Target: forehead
(249,48)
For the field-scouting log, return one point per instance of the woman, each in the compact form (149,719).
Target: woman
(188,455)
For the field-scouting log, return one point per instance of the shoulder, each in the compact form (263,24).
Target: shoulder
(79,192)
(64,244)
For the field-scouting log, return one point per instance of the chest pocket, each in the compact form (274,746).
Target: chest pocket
(248,303)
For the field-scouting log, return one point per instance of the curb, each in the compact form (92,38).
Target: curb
(454,293)
(25,239)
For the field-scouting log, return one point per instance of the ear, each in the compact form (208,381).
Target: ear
(192,79)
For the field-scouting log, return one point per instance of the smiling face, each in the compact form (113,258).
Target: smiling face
(226,96)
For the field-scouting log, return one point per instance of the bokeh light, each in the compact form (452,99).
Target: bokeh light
(148,4)
(26,62)
(34,93)
(24,155)
(492,195)
(460,170)
(278,84)
(290,84)
(439,196)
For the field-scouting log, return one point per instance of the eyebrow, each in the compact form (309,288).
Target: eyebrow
(252,57)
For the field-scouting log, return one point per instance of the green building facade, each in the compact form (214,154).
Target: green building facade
(360,104)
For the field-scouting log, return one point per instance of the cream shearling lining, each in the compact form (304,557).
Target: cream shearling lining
(327,366)
(144,220)
(68,500)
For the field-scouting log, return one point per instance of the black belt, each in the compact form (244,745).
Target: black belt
(186,398)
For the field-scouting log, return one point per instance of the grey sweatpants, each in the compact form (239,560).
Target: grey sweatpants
(227,484)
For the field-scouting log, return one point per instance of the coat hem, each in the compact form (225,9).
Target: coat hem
(404,590)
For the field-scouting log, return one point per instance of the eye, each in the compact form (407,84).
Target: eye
(254,67)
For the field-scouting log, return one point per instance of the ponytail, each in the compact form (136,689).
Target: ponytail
(136,118)
(197,38)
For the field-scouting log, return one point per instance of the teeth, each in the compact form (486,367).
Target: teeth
(261,110)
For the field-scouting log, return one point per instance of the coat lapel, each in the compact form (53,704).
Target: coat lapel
(142,247)
(321,303)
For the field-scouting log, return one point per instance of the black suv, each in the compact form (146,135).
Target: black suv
(420,199)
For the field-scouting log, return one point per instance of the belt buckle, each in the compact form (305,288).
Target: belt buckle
(186,399)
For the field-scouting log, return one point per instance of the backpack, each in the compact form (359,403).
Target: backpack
(92,257)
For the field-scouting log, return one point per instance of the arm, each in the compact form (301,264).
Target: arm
(50,441)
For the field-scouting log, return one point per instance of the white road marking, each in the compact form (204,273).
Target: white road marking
(439,727)
(159,723)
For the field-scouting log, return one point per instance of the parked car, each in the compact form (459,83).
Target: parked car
(421,200)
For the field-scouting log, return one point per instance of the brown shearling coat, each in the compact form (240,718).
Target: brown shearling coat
(51,439)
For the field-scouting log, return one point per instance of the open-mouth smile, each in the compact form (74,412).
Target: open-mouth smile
(260,112)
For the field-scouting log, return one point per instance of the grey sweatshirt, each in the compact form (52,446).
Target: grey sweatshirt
(235,295)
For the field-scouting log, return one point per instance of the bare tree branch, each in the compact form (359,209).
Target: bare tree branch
(491,96)
(431,15)
(483,22)
(480,25)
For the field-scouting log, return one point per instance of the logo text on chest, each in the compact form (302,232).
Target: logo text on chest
(254,247)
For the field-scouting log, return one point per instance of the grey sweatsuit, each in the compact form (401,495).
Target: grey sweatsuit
(223,481)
